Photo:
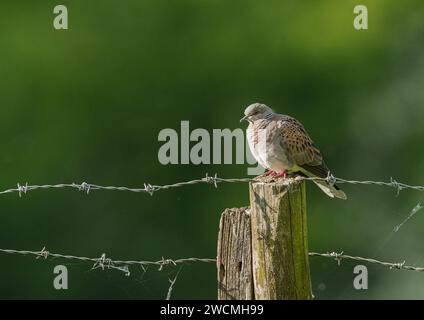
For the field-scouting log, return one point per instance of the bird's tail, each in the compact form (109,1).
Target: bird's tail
(330,189)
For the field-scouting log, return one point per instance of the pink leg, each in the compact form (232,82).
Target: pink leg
(269,173)
(281,174)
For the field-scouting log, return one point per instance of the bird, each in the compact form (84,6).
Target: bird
(281,145)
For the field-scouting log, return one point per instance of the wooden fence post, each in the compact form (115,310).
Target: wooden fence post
(234,259)
(277,245)
(279,241)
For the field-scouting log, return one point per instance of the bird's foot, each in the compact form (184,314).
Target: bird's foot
(280,175)
(270,176)
(267,176)
(269,173)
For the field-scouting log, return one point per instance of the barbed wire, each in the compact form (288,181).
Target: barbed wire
(104,262)
(147,188)
(391,265)
(123,265)
(213,180)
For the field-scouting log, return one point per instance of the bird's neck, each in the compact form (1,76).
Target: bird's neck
(268,116)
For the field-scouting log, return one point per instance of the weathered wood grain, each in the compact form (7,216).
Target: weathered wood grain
(234,260)
(279,241)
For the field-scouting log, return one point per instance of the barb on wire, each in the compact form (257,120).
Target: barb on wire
(213,180)
(123,265)
(391,265)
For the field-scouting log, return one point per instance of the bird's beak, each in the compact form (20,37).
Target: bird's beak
(244,119)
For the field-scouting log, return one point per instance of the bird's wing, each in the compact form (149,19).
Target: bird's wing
(300,148)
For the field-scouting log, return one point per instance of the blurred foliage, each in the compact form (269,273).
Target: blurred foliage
(87,104)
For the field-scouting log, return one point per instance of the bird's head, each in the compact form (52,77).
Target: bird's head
(256,111)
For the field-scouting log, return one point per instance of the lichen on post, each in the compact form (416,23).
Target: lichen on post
(279,240)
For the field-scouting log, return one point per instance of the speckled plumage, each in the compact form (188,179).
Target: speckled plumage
(280,143)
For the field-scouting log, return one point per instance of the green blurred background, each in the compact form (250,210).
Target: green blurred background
(87,104)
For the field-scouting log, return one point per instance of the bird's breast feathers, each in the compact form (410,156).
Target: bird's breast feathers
(264,142)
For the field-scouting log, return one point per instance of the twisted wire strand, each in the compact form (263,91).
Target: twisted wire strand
(213,180)
(106,263)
